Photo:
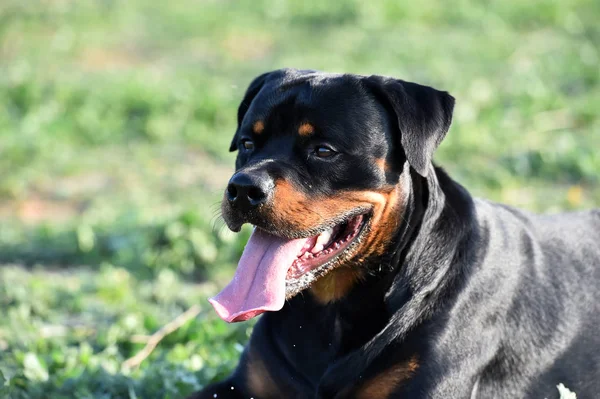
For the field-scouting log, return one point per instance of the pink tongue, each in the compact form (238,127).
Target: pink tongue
(259,282)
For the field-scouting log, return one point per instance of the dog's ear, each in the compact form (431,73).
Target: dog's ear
(424,115)
(251,93)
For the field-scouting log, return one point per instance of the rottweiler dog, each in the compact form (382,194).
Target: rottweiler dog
(381,277)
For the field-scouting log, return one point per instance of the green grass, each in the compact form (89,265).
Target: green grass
(115,118)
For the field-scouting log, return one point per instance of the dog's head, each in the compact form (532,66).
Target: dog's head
(321,173)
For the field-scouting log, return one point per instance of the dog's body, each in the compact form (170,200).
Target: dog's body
(438,295)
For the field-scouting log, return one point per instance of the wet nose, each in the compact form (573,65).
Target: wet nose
(247,191)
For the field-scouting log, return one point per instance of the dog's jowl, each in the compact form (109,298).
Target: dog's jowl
(376,274)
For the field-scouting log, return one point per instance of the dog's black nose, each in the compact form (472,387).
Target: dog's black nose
(246,191)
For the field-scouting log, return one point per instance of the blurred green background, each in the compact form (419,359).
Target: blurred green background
(115,119)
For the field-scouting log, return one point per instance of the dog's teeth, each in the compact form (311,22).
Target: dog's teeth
(322,240)
(317,248)
(306,246)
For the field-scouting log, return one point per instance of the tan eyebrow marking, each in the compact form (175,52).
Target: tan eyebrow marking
(258,127)
(381,163)
(306,129)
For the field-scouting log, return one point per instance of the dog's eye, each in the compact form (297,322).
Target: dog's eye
(247,144)
(324,152)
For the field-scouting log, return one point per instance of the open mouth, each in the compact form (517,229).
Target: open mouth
(322,248)
(274,268)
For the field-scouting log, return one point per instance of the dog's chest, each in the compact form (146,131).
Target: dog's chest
(311,342)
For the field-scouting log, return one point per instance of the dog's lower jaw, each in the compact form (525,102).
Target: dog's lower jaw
(323,280)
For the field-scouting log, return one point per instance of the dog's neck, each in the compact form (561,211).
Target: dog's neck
(443,213)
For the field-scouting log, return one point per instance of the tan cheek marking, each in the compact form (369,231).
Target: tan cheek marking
(306,129)
(293,210)
(258,127)
(260,382)
(384,384)
(385,221)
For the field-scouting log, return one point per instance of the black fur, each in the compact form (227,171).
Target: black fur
(494,302)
